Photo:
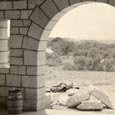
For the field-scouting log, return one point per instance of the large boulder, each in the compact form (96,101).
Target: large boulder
(90,105)
(62,100)
(76,99)
(101,96)
(71,92)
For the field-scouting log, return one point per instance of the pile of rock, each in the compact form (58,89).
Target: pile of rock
(94,99)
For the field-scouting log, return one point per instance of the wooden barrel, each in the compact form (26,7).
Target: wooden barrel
(15,101)
(4,47)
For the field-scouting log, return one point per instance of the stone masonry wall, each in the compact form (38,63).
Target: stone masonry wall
(28,41)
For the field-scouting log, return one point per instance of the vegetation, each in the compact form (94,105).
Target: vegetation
(87,55)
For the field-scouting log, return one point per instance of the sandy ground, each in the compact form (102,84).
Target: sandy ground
(103,80)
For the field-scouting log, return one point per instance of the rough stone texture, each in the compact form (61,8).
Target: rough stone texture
(90,105)
(5,5)
(101,96)
(16,52)
(62,4)
(105,1)
(4,70)
(33,3)
(49,8)
(4,91)
(39,17)
(23,30)
(3,33)
(74,1)
(13,80)
(30,43)
(2,79)
(62,100)
(12,14)
(33,80)
(14,30)
(20,4)
(75,100)
(34,93)
(35,31)
(1,14)
(4,57)
(16,61)
(26,23)
(16,23)
(25,14)
(36,70)
(112,2)
(42,45)
(16,41)
(21,70)
(30,58)
(71,92)
(4,45)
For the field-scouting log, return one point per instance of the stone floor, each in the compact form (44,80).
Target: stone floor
(63,112)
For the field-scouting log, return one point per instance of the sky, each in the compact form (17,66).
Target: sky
(93,21)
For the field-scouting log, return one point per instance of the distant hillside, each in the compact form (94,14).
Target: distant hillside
(86,54)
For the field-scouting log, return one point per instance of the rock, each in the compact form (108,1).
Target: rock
(76,99)
(62,100)
(90,105)
(101,96)
(71,92)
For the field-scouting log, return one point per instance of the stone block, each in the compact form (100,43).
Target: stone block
(6,5)
(34,58)
(112,2)
(21,70)
(4,23)
(36,70)
(74,1)
(13,80)
(4,45)
(71,92)
(62,100)
(16,41)
(16,61)
(16,52)
(41,81)
(39,17)
(101,96)
(42,45)
(33,3)
(4,70)
(4,91)
(14,30)
(62,4)
(49,8)
(16,23)
(12,14)
(26,23)
(2,79)
(50,25)
(105,1)
(1,14)
(4,33)
(75,100)
(35,31)
(4,57)
(34,94)
(23,30)
(30,43)
(25,14)
(29,81)
(32,82)
(90,106)
(45,35)
(20,4)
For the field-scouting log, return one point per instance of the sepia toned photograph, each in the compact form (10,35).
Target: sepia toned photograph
(57,57)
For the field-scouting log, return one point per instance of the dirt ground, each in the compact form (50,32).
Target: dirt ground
(103,80)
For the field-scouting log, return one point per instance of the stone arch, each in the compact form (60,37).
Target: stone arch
(44,16)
